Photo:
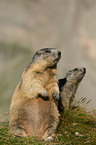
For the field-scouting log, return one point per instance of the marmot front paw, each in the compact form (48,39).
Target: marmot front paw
(56,96)
(43,93)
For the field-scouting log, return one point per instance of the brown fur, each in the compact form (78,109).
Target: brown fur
(33,110)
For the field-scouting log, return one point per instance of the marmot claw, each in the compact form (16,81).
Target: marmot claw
(55,95)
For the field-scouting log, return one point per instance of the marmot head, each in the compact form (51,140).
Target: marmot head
(76,75)
(46,57)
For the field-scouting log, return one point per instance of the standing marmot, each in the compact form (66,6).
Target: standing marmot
(68,87)
(33,110)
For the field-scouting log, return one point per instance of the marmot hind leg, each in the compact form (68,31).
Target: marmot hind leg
(19,132)
(49,133)
(48,136)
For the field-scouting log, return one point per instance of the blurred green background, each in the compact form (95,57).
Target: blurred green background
(28,25)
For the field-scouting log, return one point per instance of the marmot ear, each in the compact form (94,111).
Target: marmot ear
(38,53)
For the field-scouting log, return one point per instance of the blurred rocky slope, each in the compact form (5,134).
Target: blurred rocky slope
(27,26)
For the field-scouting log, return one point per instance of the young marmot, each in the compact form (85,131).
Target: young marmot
(33,110)
(68,87)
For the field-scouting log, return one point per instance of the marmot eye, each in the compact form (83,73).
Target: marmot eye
(47,51)
(75,69)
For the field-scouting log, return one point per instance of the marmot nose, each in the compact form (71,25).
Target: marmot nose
(59,53)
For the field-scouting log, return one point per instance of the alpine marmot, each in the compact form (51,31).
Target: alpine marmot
(68,87)
(33,110)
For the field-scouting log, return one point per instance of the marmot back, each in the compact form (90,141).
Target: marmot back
(33,110)
(68,87)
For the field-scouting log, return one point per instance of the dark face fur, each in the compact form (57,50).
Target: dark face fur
(75,75)
(47,56)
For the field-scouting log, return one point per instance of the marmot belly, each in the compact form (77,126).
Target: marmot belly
(38,116)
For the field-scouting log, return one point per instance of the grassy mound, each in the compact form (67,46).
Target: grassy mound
(75,128)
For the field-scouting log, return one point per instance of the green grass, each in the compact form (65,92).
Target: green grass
(75,128)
